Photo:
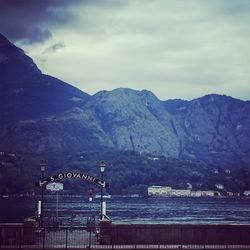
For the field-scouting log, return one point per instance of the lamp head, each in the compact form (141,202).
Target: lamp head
(43,165)
(102,166)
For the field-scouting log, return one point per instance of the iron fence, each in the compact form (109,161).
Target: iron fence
(69,219)
(15,237)
(125,237)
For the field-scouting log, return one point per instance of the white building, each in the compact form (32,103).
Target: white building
(159,191)
(181,192)
(219,186)
(196,193)
(208,193)
(153,158)
(247,193)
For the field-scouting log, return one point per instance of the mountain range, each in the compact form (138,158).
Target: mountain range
(42,114)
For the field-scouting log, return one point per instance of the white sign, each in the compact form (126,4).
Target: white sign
(54,186)
(39,206)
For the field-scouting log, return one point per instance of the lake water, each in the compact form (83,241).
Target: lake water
(134,210)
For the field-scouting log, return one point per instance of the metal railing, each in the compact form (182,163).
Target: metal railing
(48,237)
(125,237)
(69,219)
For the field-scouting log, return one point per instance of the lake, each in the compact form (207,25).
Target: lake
(133,210)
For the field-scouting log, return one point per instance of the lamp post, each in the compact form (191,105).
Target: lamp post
(43,166)
(90,193)
(102,167)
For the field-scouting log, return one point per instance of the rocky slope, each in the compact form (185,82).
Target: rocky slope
(42,114)
(214,128)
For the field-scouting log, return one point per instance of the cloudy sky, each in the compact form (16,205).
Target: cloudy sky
(175,48)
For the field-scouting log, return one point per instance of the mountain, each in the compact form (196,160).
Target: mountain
(41,114)
(26,93)
(213,128)
(134,120)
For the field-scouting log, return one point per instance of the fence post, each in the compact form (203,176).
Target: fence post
(181,237)
(66,243)
(112,238)
(90,237)
(205,237)
(20,237)
(43,237)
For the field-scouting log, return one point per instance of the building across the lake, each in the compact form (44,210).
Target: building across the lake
(159,191)
(167,191)
(181,192)
(210,193)
(247,193)
(219,186)
(196,193)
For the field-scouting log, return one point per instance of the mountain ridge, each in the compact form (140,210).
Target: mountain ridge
(27,93)
(40,114)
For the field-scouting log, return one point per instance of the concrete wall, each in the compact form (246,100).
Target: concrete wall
(174,234)
(18,233)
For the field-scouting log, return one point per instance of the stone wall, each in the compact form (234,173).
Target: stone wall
(174,234)
(18,233)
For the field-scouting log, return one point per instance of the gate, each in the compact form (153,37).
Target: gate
(70,219)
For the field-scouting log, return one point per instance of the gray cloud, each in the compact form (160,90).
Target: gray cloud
(53,48)
(30,21)
(177,49)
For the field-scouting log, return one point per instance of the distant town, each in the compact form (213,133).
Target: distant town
(218,183)
(166,191)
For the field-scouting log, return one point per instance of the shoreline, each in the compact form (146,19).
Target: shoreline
(5,196)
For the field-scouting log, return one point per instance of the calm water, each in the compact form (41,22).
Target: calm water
(135,210)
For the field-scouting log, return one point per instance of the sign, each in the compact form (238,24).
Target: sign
(70,175)
(39,208)
(54,186)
